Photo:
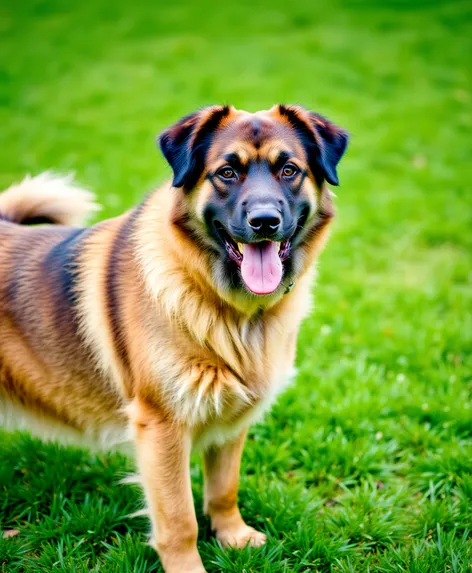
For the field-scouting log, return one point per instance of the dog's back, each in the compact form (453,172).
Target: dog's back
(47,374)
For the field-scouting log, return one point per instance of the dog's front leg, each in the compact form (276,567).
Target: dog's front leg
(221,466)
(163,457)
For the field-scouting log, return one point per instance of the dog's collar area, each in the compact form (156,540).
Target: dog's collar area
(289,287)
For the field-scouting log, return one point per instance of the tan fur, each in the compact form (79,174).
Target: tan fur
(127,325)
(221,466)
(49,194)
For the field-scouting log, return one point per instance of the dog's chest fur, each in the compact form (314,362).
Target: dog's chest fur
(217,372)
(221,390)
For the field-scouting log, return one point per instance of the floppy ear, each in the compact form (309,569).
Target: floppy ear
(324,142)
(185,144)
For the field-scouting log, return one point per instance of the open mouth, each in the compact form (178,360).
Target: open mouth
(261,263)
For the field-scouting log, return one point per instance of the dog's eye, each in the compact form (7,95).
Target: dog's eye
(289,170)
(227,173)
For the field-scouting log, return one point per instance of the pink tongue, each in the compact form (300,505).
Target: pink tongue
(261,267)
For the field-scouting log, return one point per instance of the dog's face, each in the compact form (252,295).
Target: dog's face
(253,188)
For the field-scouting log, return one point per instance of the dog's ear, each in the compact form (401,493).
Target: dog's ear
(185,144)
(324,142)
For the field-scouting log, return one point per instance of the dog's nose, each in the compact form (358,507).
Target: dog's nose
(264,221)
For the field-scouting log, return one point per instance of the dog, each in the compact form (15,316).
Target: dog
(178,319)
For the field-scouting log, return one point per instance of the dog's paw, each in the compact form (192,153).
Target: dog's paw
(241,536)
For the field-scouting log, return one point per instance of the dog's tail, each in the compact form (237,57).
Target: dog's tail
(47,198)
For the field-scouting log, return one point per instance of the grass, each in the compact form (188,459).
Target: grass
(365,464)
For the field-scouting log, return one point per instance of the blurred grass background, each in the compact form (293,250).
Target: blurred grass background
(365,463)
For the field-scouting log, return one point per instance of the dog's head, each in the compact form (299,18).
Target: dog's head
(253,189)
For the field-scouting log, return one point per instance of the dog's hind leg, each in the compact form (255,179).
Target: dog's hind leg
(222,465)
(163,457)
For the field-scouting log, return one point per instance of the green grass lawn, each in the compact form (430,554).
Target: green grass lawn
(365,464)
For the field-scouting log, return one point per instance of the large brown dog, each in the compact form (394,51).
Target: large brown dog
(178,319)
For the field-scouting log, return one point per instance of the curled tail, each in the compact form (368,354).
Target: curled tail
(47,198)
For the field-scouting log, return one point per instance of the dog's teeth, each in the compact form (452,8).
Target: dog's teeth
(280,246)
(240,247)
